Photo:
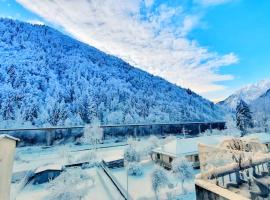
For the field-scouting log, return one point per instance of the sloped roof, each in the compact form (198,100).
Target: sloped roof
(54,167)
(2,136)
(113,158)
(189,146)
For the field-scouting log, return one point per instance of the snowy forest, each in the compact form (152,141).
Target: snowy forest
(50,79)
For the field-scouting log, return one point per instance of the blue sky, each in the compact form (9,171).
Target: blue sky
(211,46)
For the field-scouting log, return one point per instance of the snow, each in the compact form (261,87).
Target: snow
(49,158)
(101,189)
(2,136)
(35,156)
(189,146)
(140,187)
(248,93)
(113,158)
(32,157)
(56,167)
(49,79)
(263,137)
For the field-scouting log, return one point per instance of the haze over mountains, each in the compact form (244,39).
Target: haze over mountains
(49,78)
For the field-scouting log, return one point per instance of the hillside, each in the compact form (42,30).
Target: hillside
(260,107)
(248,93)
(49,78)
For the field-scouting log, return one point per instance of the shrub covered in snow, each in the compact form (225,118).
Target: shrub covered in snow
(135,169)
(69,185)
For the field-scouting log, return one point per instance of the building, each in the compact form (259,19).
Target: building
(264,138)
(116,161)
(234,174)
(187,147)
(46,173)
(7,151)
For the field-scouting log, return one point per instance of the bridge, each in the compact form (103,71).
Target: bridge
(123,130)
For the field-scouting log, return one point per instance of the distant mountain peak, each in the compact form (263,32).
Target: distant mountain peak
(247,93)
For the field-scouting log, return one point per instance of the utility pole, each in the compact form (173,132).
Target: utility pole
(127,185)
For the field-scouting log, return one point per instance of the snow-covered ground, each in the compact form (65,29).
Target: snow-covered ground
(101,189)
(140,187)
(29,158)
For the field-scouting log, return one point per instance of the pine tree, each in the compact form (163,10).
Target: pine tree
(243,117)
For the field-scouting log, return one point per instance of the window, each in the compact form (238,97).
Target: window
(196,158)
(170,159)
(158,156)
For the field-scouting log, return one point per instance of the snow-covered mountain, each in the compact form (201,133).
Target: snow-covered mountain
(248,93)
(49,78)
(260,106)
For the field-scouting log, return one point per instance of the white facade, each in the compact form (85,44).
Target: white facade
(187,148)
(7,150)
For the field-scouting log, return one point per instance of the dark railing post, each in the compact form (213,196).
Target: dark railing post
(135,131)
(48,137)
(199,129)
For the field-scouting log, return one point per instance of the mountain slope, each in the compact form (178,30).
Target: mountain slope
(260,107)
(248,93)
(49,78)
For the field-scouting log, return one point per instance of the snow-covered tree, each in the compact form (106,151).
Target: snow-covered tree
(183,170)
(159,179)
(131,155)
(230,128)
(169,138)
(83,81)
(243,117)
(57,112)
(152,143)
(93,134)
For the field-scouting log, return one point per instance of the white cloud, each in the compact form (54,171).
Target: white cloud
(153,42)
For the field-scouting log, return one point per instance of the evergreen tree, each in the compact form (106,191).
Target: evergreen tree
(243,117)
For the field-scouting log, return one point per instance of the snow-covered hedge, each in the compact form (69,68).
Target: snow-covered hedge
(135,169)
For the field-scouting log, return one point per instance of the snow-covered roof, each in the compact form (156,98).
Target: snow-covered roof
(113,158)
(56,167)
(189,146)
(2,136)
(263,137)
